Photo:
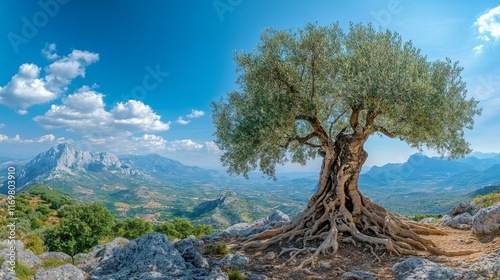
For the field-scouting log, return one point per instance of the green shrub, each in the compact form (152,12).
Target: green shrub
(35,243)
(182,228)
(217,250)
(132,228)
(23,272)
(53,262)
(487,200)
(419,217)
(235,275)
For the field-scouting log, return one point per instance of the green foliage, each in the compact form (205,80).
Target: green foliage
(35,243)
(487,200)
(81,227)
(52,196)
(182,228)
(218,250)
(235,275)
(132,228)
(419,217)
(300,88)
(23,272)
(53,262)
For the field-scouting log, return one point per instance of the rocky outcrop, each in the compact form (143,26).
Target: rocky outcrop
(55,256)
(150,257)
(416,268)
(88,262)
(234,261)
(487,221)
(66,272)
(190,250)
(246,229)
(26,257)
(460,216)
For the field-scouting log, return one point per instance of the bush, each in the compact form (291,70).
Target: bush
(23,272)
(218,250)
(181,228)
(235,275)
(54,262)
(487,200)
(132,228)
(419,217)
(35,243)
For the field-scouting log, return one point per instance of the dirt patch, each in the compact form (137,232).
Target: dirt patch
(359,257)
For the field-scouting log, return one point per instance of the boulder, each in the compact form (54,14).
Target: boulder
(487,221)
(358,275)
(151,257)
(258,226)
(189,248)
(459,221)
(55,255)
(66,272)
(88,262)
(234,261)
(252,276)
(464,207)
(422,269)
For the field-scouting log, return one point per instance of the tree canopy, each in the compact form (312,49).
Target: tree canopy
(300,88)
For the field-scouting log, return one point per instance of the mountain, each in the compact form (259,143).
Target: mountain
(168,170)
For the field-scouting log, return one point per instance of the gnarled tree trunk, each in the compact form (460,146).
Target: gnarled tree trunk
(338,210)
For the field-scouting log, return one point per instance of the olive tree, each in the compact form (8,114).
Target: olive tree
(320,91)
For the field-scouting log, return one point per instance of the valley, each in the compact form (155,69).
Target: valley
(158,189)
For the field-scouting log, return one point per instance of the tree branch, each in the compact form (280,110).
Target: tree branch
(354,119)
(318,128)
(334,122)
(385,132)
(303,140)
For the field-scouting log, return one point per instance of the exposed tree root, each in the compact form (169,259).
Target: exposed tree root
(338,211)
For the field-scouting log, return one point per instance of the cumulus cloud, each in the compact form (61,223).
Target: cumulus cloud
(180,120)
(27,87)
(49,52)
(18,139)
(185,144)
(488,25)
(84,113)
(212,147)
(195,114)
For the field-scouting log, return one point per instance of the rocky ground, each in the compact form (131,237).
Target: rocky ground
(155,257)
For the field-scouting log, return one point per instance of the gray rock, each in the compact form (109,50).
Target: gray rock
(6,244)
(55,255)
(429,220)
(190,251)
(460,221)
(358,275)
(422,269)
(252,276)
(464,207)
(66,272)
(88,262)
(496,266)
(28,258)
(258,226)
(151,257)
(234,261)
(487,221)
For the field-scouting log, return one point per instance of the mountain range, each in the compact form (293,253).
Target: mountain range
(158,188)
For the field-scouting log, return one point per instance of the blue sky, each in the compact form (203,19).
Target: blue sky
(138,76)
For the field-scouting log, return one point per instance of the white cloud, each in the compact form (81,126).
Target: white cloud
(84,113)
(2,125)
(49,52)
(488,26)
(18,139)
(212,147)
(180,120)
(185,144)
(150,140)
(27,87)
(195,114)
(478,49)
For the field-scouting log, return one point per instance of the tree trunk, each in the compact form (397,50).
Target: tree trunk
(338,211)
